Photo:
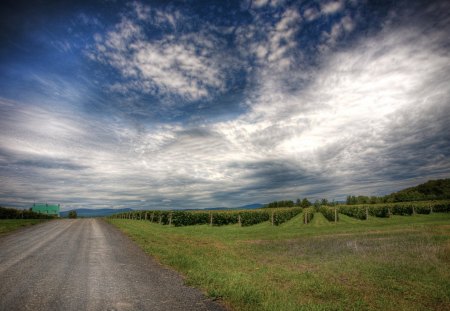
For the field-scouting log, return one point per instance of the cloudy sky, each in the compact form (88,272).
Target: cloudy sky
(182,104)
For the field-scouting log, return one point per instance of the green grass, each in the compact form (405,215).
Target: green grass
(8,225)
(397,263)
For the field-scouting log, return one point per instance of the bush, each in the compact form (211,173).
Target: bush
(403,209)
(308,215)
(249,218)
(224,218)
(378,210)
(281,216)
(72,214)
(354,211)
(328,213)
(441,207)
(12,213)
(182,218)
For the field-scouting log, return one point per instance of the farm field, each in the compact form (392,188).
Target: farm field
(8,225)
(396,263)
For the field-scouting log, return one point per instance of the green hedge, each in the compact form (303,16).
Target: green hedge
(441,207)
(12,213)
(355,211)
(328,213)
(216,218)
(249,218)
(308,215)
(181,218)
(378,211)
(281,216)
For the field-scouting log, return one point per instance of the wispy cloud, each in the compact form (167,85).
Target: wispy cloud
(321,115)
(190,65)
(331,7)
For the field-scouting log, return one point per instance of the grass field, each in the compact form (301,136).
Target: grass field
(397,263)
(8,225)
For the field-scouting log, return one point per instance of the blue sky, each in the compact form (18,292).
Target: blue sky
(183,104)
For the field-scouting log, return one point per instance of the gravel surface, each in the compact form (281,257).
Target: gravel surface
(87,264)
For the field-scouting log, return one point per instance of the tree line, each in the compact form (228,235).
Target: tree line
(300,203)
(12,213)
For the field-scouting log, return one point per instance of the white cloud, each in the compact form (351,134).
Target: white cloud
(332,7)
(273,45)
(259,3)
(189,65)
(343,26)
(344,120)
(362,114)
(311,14)
(262,3)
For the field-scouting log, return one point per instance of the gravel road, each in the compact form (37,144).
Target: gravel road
(87,264)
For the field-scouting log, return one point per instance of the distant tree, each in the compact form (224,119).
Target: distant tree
(324,202)
(351,200)
(305,203)
(298,202)
(73,214)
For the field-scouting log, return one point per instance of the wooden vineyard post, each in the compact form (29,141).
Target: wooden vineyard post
(414,210)
(335,215)
(210,219)
(160,219)
(145,216)
(431,208)
(272,218)
(367,213)
(306,218)
(239,220)
(151,217)
(170,219)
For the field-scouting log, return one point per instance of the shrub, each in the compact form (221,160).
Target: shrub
(328,213)
(354,211)
(224,218)
(308,215)
(441,207)
(378,210)
(402,209)
(12,213)
(249,218)
(73,214)
(281,216)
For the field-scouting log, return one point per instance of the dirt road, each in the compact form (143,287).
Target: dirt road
(87,264)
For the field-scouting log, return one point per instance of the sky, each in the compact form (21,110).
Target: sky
(195,104)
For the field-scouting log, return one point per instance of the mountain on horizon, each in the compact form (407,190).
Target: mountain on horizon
(87,212)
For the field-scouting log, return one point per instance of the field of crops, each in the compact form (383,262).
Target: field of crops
(277,216)
(311,262)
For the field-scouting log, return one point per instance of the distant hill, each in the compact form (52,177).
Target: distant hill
(431,190)
(86,212)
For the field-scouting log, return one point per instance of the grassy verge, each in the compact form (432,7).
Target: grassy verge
(8,225)
(397,263)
